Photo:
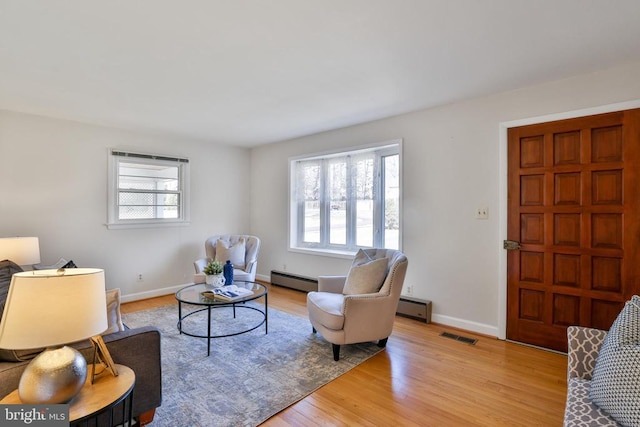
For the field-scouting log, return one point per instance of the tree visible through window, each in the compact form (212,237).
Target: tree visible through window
(347,200)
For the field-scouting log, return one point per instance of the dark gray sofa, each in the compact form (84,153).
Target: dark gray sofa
(138,348)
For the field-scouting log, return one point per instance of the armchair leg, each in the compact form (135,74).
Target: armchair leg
(314,329)
(336,352)
(383,342)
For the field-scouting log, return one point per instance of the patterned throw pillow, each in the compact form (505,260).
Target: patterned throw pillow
(615,386)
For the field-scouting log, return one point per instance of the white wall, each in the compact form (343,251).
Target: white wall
(54,181)
(452,164)
(54,186)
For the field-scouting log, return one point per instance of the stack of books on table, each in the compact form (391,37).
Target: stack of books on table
(228,293)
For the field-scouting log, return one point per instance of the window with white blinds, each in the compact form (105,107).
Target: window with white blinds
(147,190)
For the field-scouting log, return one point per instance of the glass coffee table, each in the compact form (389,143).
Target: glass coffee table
(192,295)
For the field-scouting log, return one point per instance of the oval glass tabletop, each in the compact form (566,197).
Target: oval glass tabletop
(200,293)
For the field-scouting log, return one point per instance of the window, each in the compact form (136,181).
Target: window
(341,202)
(147,190)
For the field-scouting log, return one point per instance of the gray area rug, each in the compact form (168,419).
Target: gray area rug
(249,377)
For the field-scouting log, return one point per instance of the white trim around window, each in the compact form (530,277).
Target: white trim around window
(147,190)
(342,201)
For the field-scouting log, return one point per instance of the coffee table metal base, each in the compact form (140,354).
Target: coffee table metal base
(264,321)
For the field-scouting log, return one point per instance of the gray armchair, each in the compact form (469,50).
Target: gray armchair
(348,318)
(241,271)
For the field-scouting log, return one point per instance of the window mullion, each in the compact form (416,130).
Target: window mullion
(300,202)
(324,205)
(378,197)
(156,208)
(351,204)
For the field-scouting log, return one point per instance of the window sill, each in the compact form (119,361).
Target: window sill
(146,224)
(333,253)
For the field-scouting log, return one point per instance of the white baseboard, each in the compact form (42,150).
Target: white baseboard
(169,290)
(263,277)
(153,293)
(467,325)
(454,322)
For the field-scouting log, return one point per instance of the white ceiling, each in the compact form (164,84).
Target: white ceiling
(249,72)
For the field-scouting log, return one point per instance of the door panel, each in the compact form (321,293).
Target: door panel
(574,206)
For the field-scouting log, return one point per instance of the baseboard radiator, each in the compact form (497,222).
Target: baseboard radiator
(294,281)
(414,308)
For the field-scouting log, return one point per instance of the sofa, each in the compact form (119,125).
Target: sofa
(138,348)
(603,372)
(603,375)
(583,348)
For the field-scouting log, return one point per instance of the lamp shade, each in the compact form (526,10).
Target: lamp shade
(53,307)
(20,250)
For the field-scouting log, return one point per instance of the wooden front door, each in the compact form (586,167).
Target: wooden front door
(574,207)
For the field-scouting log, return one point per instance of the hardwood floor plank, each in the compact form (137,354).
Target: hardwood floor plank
(424,379)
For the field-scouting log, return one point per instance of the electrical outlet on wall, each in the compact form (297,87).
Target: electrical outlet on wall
(140,279)
(482,212)
(409,290)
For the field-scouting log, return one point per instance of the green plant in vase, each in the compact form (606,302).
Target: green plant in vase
(213,270)
(214,267)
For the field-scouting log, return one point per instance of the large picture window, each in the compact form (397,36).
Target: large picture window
(147,190)
(341,202)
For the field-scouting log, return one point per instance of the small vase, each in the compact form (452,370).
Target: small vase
(214,280)
(228,273)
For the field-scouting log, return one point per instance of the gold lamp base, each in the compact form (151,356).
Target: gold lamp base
(54,376)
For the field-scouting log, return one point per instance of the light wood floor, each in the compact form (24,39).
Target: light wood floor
(423,379)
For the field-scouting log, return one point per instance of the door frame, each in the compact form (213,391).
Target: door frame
(503,186)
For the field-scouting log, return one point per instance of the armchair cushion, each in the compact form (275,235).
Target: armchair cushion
(233,252)
(366,278)
(615,385)
(580,410)
(327,308)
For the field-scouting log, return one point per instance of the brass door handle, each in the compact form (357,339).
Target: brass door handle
(511,245)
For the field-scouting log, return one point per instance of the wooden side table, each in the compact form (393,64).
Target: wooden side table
(98,398)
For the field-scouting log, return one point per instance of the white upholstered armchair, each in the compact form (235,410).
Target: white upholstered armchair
(241,249)
(360,307)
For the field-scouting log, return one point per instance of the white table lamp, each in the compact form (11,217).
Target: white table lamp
(51,308)
(20,250)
